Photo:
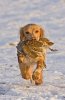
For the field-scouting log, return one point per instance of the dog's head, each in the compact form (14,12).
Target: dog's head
(31,31)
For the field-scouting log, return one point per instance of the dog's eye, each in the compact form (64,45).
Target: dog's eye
(36,31)
(27,32)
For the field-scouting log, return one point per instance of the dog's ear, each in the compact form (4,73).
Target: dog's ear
(22,37)
(41,33)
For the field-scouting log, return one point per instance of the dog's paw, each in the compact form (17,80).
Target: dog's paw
(37,77)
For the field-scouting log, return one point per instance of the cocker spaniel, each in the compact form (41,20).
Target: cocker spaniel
(26,63)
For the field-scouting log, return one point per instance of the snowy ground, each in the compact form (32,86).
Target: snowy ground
(50,14)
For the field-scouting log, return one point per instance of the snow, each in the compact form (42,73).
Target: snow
(50,14)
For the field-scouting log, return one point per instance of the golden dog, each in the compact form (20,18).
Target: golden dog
(26,63)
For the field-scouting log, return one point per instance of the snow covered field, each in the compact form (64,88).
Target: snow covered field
(50,14)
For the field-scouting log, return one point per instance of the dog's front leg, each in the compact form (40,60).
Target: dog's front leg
(37,74)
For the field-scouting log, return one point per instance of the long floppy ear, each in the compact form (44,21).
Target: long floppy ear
(22,37)
(41,33)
